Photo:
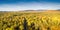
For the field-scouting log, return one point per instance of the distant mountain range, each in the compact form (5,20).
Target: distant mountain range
(42,10)
(33,10)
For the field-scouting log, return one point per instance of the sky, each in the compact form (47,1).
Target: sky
(20,5)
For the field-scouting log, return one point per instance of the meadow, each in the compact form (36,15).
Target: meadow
(30,20)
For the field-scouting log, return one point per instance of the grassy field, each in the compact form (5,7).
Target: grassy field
(30,20)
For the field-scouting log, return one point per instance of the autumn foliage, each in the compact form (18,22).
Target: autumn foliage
(29,20)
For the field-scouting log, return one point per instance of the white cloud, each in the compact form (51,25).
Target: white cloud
(35,6)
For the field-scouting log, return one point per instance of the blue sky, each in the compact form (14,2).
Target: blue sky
(15,5)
